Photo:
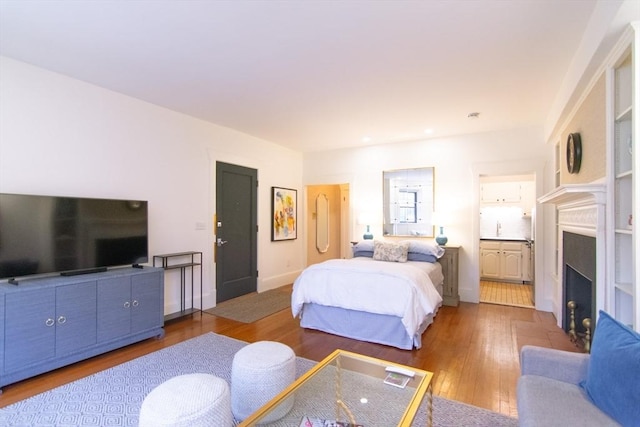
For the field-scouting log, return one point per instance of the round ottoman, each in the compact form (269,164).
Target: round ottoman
(259,372)
(188,400)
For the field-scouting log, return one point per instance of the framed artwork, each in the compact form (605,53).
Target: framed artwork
(284,214)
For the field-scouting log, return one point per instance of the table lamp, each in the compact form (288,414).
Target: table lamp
(437,220)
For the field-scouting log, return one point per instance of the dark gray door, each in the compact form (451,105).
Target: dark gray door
(237,231)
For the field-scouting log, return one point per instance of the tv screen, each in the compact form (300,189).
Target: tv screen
(47,234)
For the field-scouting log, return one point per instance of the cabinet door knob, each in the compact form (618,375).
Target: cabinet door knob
(135,303)
(49,322)
(126,304)
(62,320)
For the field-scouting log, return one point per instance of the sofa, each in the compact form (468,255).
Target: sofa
(561,388)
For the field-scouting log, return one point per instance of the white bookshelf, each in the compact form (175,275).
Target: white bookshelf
(623,213)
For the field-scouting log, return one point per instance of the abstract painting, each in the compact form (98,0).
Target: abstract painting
(284,215)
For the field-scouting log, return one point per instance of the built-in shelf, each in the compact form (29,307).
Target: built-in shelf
(625,114)
(623,296)
(624,231)
(625,287)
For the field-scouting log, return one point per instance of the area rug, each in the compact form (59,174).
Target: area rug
(254,306)
(113,397)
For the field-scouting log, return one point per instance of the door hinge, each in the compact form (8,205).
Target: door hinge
(256,228)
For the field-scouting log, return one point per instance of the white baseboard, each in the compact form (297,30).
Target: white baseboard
(274,282)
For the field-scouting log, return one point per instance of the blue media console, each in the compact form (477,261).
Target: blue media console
(50,322)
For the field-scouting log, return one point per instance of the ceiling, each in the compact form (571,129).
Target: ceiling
(314,75)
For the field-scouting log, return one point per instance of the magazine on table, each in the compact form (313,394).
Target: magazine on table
(319,422)
(396,379)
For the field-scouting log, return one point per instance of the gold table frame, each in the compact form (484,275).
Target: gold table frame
(369,366)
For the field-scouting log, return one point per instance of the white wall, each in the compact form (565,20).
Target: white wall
(60,136)
(459,161)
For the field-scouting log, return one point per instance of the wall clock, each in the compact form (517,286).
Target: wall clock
(574,153)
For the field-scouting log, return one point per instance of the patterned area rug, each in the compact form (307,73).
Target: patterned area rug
(254,306)
(113,397)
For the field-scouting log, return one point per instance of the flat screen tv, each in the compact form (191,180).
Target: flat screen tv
(69,235)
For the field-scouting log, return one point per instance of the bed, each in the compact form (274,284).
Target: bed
(389,293)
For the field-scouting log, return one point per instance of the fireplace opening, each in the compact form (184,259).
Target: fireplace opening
(579,259)
(579,290)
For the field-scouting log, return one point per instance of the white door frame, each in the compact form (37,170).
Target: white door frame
(514,167)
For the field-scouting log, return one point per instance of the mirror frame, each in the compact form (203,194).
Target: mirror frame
(322,223)
(420,182)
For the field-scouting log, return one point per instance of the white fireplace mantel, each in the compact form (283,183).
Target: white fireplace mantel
(569,195)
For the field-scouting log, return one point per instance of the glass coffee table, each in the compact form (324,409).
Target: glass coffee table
(352,389)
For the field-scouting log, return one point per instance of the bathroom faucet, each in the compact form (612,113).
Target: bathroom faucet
(498,228)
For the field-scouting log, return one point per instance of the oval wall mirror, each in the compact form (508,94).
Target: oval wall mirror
(408,202)
(322,223)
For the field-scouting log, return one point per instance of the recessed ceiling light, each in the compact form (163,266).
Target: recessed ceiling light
(366,139)
(428,131)
(473,115)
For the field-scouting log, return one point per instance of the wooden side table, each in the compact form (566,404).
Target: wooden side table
(449,262)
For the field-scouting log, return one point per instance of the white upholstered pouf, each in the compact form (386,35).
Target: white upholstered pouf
(259,372)
(188,400)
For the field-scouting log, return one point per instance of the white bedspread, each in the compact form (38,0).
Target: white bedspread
(398,289)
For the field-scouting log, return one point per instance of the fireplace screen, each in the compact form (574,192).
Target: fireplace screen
(579,259)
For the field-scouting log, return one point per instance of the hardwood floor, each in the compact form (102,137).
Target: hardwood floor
(513,294)
(472,350)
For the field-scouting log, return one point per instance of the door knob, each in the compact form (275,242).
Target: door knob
(220,242)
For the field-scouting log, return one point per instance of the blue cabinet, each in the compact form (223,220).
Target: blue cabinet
(75,317)
(129,304)
(50,322)
(30,327)
(147,294)
(114,308)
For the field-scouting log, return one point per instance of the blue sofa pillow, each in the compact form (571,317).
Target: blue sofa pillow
(613,376)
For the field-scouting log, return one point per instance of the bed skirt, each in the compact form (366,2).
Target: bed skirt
(363,326)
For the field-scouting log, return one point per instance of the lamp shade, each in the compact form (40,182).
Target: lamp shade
(365,218)
(437,218)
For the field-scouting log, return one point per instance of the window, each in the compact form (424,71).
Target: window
(407,206)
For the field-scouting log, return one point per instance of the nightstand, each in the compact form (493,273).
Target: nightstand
(449,262)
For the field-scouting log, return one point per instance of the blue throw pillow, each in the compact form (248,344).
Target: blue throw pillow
(416,256)
(364,245)
(613,377)
(366,254)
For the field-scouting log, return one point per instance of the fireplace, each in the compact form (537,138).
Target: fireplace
(581,252)
(579,260)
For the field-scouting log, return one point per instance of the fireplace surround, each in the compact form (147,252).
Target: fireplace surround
(581,250)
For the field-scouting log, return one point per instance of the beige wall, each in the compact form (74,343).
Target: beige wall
(590,122)
(333,194)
